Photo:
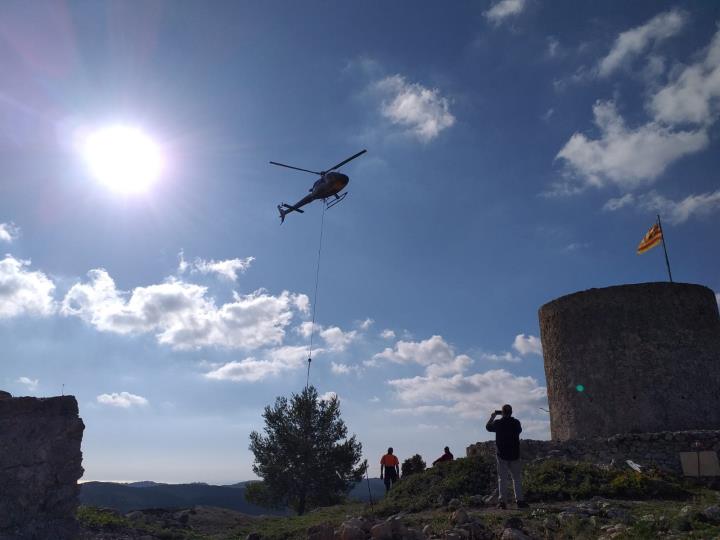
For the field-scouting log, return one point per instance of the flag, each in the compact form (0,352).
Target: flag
(652,238)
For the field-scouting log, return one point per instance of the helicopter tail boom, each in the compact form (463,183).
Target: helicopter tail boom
(285,209)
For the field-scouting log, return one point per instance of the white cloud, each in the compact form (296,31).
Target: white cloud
(504,9)
(693,96)
(181,314)
(366,324)
(227,269)
(387,334)
(420,110)
(31,384)
(327,396)
(527,345)
(436,355)
(470,396)
(680,211)
(616,204)
(631,43)
(553,47)
(626,157)
(336,339)
(576,246)
(124,400)
(501,357)
(24,292)
(374,399)
(275,362)
(343,369)
(9,232)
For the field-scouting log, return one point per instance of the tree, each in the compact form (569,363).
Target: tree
(413,465)
(304,458)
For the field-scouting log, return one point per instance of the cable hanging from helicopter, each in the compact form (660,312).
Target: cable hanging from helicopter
(330,184)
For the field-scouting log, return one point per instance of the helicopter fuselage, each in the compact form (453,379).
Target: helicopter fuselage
(328,185)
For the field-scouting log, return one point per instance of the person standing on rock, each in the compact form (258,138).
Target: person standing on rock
(507,440)
(389,469)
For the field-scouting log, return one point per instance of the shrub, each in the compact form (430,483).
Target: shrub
(413,465)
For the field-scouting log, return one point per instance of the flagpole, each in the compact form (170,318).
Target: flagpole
(662,235)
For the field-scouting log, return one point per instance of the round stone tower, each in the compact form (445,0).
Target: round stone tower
(632,358)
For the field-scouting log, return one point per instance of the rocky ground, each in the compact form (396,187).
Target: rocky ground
(596,518)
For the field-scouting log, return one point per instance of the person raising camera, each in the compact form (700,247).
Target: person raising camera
(507,440)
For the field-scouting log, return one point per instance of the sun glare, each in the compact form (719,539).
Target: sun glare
(124,158)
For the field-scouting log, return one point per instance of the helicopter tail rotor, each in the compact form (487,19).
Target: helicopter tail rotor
(285,209)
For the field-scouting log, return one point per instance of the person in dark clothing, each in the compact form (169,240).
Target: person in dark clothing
(389,469)
(507,440)
(447,456)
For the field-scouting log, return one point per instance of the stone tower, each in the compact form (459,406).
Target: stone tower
(632,358)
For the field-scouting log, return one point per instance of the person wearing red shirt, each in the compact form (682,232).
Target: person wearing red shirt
(447,456)
(389,469)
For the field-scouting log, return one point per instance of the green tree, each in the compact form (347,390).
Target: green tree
(413,465)
(304,457)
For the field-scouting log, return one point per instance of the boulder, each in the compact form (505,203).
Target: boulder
(382,531)
(712,513)
(513,534)
(360,523)
(412,534)
(454,504)
(476,500)
(351,533)
(459,517)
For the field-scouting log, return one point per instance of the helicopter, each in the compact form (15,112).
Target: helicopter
(330,184)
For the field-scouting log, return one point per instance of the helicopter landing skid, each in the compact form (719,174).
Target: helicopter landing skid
(338,199)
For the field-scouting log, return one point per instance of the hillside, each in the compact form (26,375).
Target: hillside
(455,501)
(124,497)
(148,494)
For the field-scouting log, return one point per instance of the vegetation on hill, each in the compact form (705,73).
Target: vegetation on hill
(568,500)
(413,465)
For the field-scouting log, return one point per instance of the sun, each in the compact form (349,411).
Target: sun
(124,158)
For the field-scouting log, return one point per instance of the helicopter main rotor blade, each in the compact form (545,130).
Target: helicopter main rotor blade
(348,159)
(296,168)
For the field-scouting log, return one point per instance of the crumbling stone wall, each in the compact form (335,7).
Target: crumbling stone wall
(40,464)
(647,358)
(649,449)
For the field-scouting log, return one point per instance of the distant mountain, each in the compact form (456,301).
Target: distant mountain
(149,494)
(126,497)
(360,491)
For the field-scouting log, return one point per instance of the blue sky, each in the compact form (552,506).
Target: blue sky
(517,151)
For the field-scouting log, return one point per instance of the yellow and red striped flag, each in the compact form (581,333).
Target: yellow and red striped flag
(652,238)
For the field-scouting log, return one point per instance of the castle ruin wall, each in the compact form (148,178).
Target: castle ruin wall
(40,465)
